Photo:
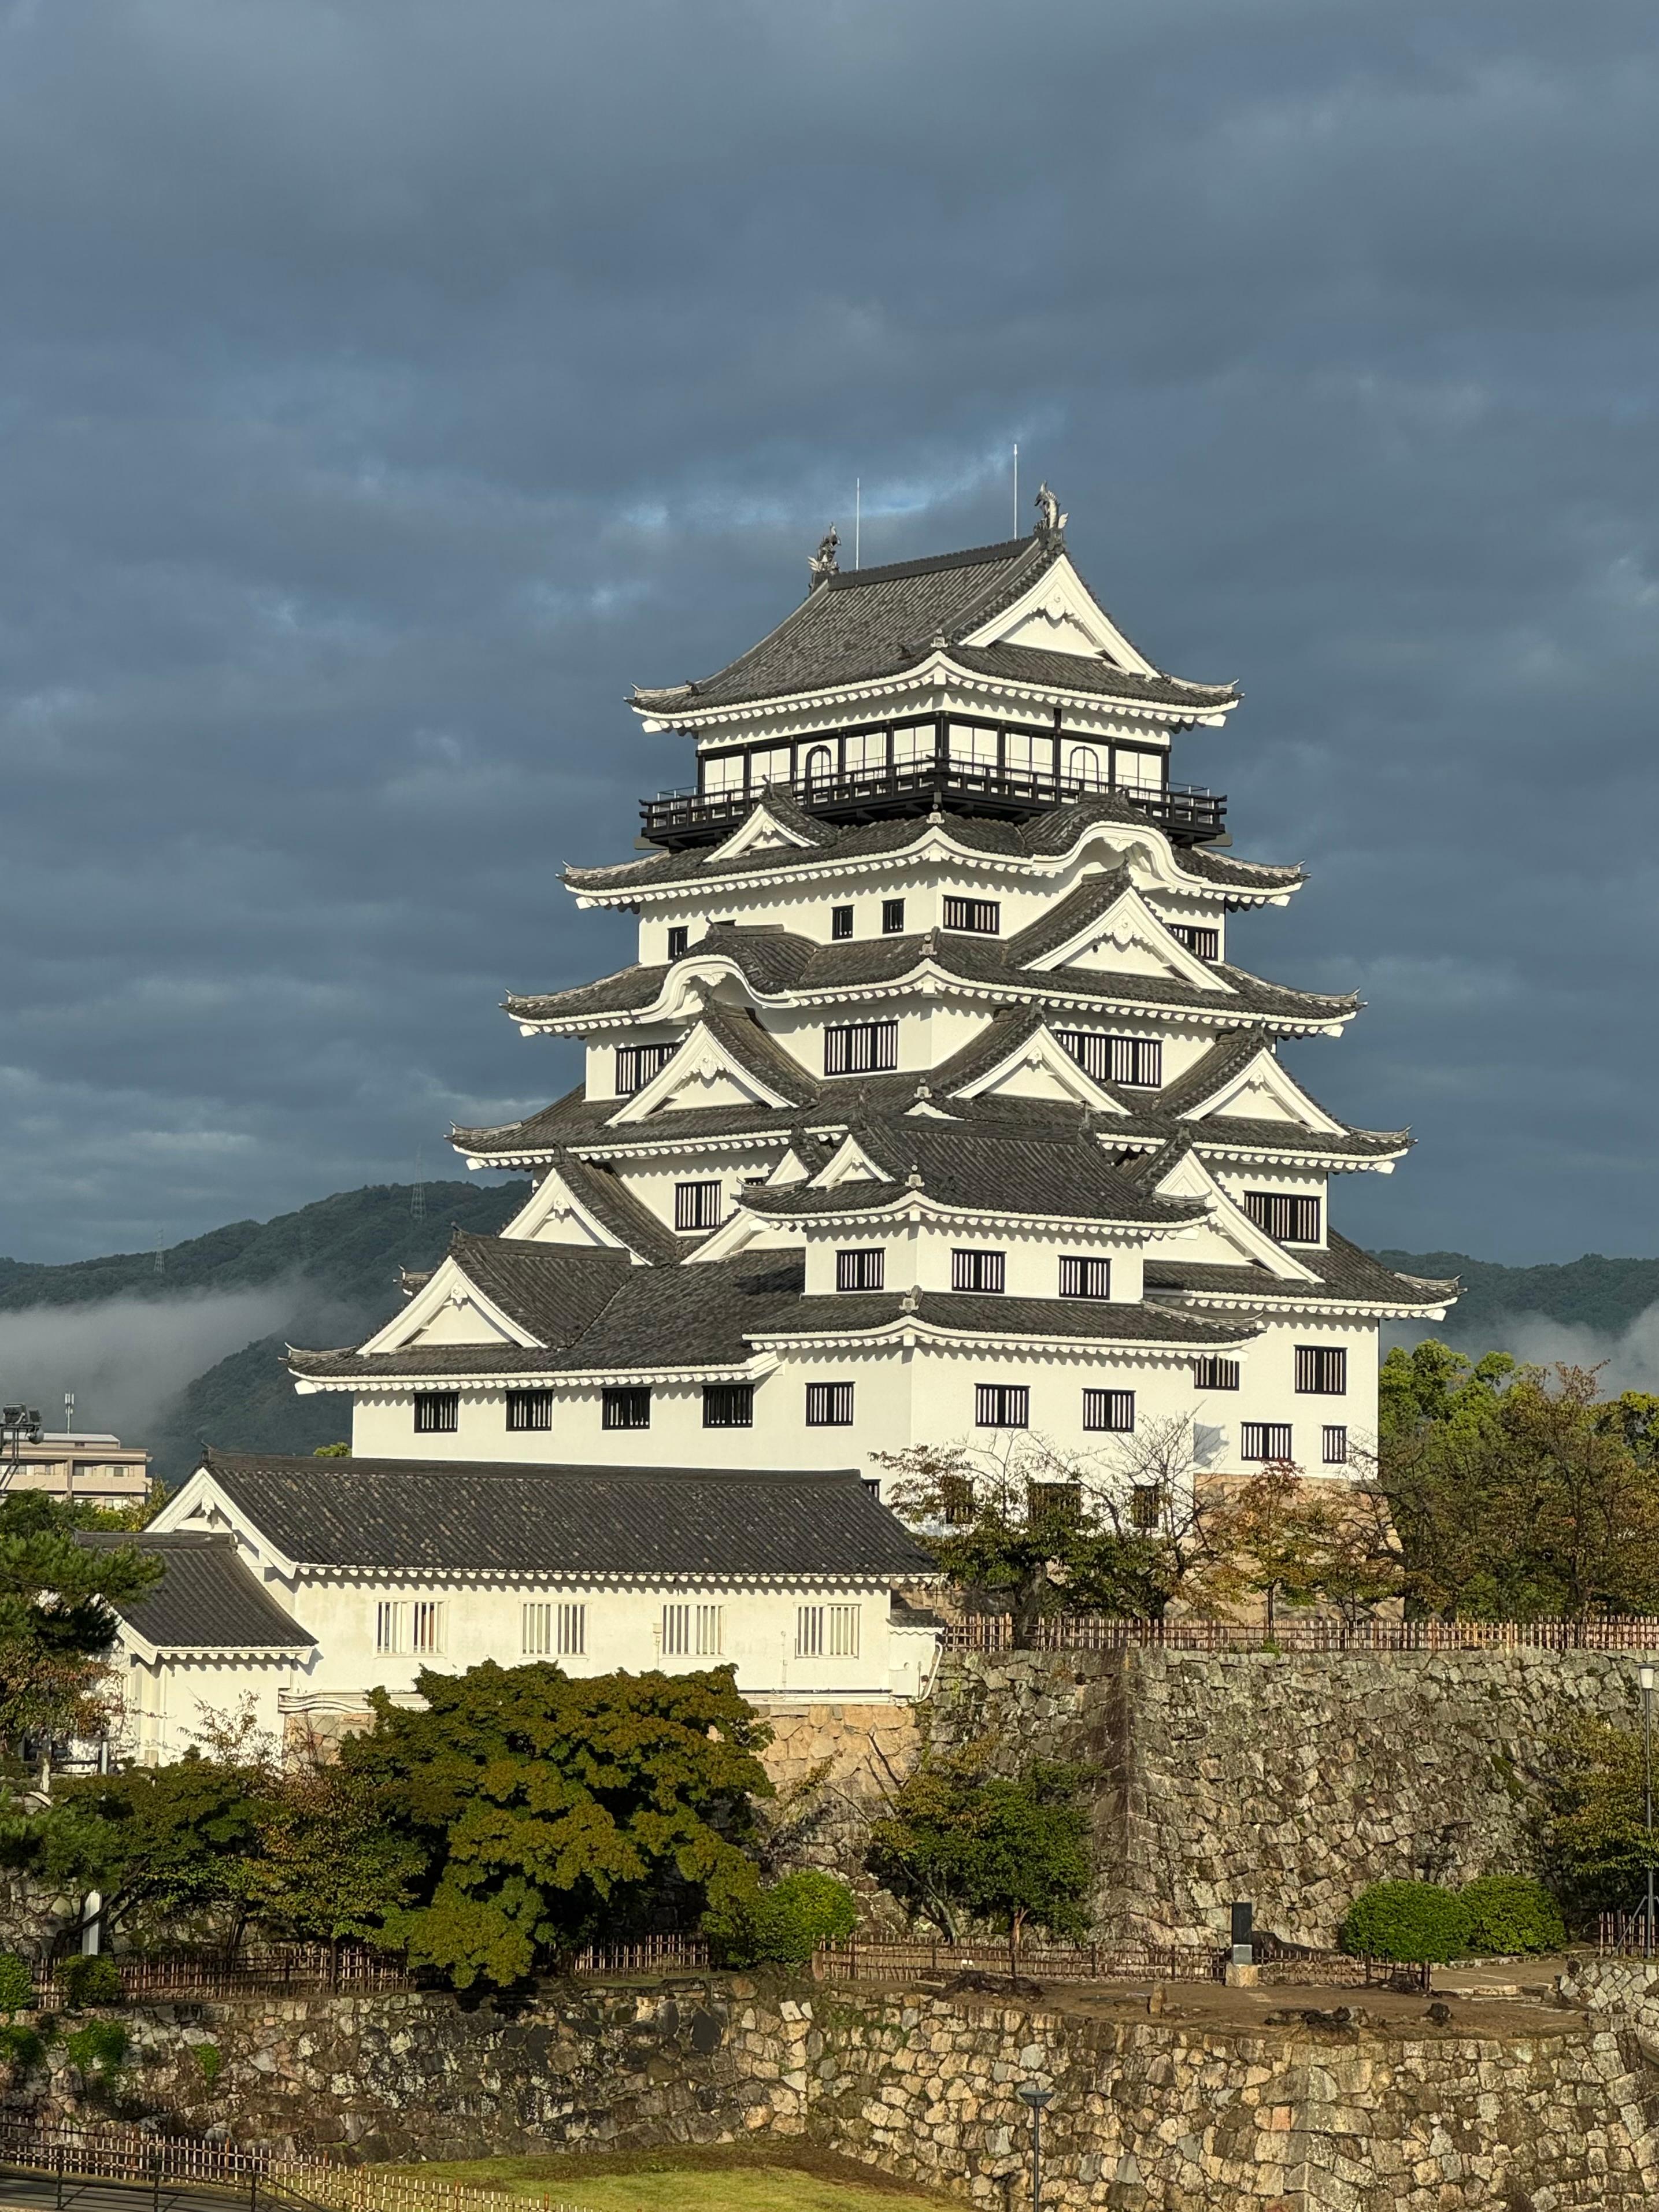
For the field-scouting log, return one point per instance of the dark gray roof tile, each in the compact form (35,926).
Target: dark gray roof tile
(207,1599)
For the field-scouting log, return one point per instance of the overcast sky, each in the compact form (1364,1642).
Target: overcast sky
(388,385)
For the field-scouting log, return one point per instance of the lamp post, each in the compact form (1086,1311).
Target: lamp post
(1645,1677)
(1039,2100)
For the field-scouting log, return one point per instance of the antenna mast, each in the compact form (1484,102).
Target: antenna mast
(858,518)
(1016,487)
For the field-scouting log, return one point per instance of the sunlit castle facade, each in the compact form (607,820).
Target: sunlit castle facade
(935,1107)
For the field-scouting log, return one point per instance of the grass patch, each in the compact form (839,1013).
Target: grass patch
(770,2176)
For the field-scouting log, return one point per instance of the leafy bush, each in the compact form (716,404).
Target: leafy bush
(17,1984)
(97,2050)
(95,1981)
(785,1923)
(1412,1921)
(211,2060)
(1509,1914)
(20,2047)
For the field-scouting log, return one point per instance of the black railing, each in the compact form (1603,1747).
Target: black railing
(1189,811)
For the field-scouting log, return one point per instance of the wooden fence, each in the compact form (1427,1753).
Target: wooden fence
(1090,1632)
(1624,1936)
(651,1954)
(264,1966)
(167,2163)
(1277,1966)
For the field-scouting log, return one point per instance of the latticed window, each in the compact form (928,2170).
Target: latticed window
(1002,1405)
(697,1205)
(530,1409)
(555,1630)
(692,1632)
(827,1631)
(892,917)
(1264,1440)
(1113,1411)
(956,1498)
(1138,1061)
(628,1406)
(1197,938)
(828,1404)
(411,1625)
(1322,1370)
(437,1412)
(978,1271)
(679,941)
(981,917)
(637,1063)
(1287,1219)
(1146,1505)
(1333,1444)
(1214,1374)
(840,921)
(861,1048)
(728,1404)
(1082,1278)
(860,1271)
(1055,1505)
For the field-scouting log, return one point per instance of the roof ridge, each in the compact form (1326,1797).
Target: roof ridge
(969,556)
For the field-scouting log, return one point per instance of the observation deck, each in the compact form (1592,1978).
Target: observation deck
(1189,813)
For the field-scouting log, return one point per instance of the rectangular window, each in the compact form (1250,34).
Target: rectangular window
(530,1409)
(840,921)
(1085,1278)
(426,1625)
(860,1271)
(983,917)
(972,749)
(415,1625)
(978,1271)
(676,1632)
(386,1626)
(1333,1444)
(828,1404)
(1058,1505)
(1286,1219)
(861,1049)
(1026,757)
(1265,1440)
(728,1404)
(1002,1405)
(437,1412)
(692,1632)
(1146,1505)
(1135,1060)
(1215,1374)
(892,917)
(843,1627)
(628,1406)
(1322,1370)
(865,754)
(809,1632)
(679,941)
(637,1063)
(1137,771)
(1197,938)
(555,1632)
(956,1498)
(914,747)
(1113,1411)
(770,764)
(696,1205)
(723,773)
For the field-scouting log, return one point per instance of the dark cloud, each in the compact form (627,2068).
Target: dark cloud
(385,386)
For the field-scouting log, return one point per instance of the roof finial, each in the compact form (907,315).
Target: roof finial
(1050,521)
(820,565)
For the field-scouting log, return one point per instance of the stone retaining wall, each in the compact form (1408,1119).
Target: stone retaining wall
(1148,2116)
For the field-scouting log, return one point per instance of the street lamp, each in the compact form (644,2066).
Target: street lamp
(1039,2100)
(1645,1677)
(19,1425)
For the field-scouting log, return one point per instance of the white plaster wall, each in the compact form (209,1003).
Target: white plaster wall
(922,1256)
(166,1702)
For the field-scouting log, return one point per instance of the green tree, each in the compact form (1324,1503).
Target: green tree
(329,1868)
(56,1621)
(1410,1921)
(1599,1847)
(957,1841)
(546,1809)
(783,1923)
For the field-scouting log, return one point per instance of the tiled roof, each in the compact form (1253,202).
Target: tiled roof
(1076,672)
(207,1599)
(410,1516)
(616,1209)
(1049,835)
(553,1291)
(1344,1272)
(1082,904)
(1095,1320)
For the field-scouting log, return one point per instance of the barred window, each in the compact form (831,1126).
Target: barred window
(637,1063)
(530,1409)
(983,917)
(892,917)
(978,1271)
(1264,1440)
(1333,1444)
(1146,1505)
(1113,1411)
(1085,1278)
(628,1406)
(728,1404)
(414,1625)
(840,921)
(697,1205)
(437,1412)
(1287,1219)
(555,1630)
(1002,1405)
(809,1632)
(843,1627)
(1322,1370)
(956,1498)
(828,1404)
(1206,942)
(1214,1374)
(861,1048)
(1135,1060)
(1060,1504)
(679,941)
(860,1271)
(692,1632)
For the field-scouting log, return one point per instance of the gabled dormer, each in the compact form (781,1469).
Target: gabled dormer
(1228,1237)
(725,1060)
(1105,925)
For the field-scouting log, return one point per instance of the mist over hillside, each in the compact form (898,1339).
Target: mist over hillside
(172,1349)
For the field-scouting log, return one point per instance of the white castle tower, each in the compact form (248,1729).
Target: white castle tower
(934,1107)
